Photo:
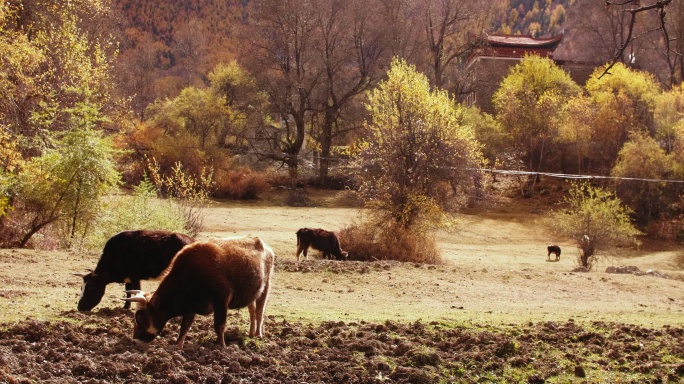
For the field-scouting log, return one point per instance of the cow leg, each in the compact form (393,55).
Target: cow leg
(299,250)
(258,321)
(188,318)
(220,313)
(130,286)
(252,318)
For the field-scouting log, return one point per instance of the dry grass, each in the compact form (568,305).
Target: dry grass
(366,242)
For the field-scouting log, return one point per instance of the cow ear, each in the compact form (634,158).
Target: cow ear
(154,302)
(258,245)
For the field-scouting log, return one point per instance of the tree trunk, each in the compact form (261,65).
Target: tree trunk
(24,240)
(326,145)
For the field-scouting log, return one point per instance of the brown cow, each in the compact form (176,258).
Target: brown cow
(325,241)
(214,275)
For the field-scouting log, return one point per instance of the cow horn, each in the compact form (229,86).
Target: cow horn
(80,274)
(135,299)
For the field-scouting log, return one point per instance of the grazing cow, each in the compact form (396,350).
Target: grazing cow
(320,239)
(129,257)
(553,249)
(206,276)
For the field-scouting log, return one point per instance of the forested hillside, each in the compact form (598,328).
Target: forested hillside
(162,19)
(539,18)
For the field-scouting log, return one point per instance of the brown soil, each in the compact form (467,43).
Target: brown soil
(97,348)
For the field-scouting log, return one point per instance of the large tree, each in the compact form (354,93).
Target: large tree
(641,162)
(313,59)
(415,148)
(351,49)
(622,103)
(52,60)
(449,25)
(280,49)
(528,104)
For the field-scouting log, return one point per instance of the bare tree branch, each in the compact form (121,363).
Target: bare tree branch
(658,5)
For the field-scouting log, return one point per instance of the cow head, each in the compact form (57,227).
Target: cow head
(345,255)
(149,320)
(92,290)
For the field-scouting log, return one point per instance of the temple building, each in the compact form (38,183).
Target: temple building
(496,54)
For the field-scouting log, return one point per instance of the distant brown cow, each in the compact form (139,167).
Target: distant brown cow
(325,241)
(553,249)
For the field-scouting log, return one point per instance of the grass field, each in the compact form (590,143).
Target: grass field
(495,270)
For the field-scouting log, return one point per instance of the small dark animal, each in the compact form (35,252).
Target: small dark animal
(206,276)
(129,257)
(320,239)
(553,249)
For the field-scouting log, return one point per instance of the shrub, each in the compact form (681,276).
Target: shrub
(594,219)
(369,242)
(241,183)
(187,192)
(298,198)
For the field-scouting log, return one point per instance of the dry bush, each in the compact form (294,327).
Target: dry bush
(298,198)
(144,143)
(370,242)
(188,192)
(241,183)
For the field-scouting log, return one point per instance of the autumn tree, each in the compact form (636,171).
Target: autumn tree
(64,185)
(53,62)
(642,34)
(190,46)
(281,40)
(415,147)
(313,60)
(246,106)
(350,50)
(575,134)
(668,116)
(528,104)
(448,26)
(138,68)
(57,103)
(594,219)
(675,32)
(403,28)
(600,31)
(642,165)
(623,103)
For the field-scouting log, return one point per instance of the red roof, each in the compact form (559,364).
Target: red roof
(522,41)
(514,46)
